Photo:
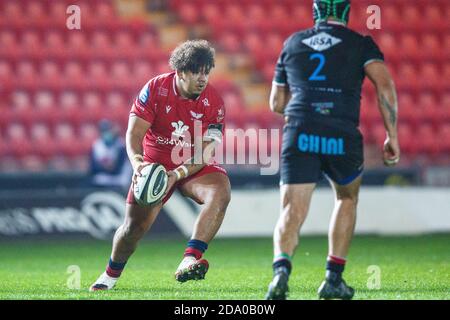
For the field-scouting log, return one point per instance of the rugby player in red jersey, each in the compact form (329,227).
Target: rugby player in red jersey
(162,118)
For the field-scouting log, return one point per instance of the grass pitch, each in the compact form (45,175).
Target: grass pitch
(410,268)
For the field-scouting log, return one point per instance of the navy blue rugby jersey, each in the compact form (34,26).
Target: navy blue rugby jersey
(324,69)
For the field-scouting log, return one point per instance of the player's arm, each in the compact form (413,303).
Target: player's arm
(137,128)
(211,138)
(279,97)
(378,73)
(192,165)
(196,163)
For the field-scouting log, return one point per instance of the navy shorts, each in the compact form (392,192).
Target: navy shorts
(312,148)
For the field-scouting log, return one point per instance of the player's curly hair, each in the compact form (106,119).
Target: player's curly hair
(193,55)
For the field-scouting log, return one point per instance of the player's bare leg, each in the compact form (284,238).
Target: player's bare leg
(342,226)
(138,220)
(213,191)
(295,201)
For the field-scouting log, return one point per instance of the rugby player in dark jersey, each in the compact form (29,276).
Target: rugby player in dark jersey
(317,87)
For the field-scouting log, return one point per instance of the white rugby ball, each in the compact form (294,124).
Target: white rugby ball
(151,185)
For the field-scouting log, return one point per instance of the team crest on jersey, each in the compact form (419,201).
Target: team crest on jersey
(196,115)
(322,41)
(205,102)
(144,94)
(180,128)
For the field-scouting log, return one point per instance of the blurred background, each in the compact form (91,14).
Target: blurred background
(65,94)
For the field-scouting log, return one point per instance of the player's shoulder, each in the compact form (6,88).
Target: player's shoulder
(358,36)
(339,31)
(162,80)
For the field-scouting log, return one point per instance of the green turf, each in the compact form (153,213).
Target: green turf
(411,268)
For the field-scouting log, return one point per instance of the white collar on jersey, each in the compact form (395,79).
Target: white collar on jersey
(337,23)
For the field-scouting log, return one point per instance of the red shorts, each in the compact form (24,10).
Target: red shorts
(206,170)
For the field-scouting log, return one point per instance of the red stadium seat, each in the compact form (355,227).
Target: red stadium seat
(50,75)
(66,141)
(430,77)
(410,48)
(235,12)
(9,47)
(444,107)
(392,20)
(18,143)
(408,109)
(55,47)
(25,75)
(188,13)
(101,45)
(77,47)
(443,139)
(6,72)
(142,72)
(94,107)
(69,110)
(210,13)
(97,75)
(301,14)
(446,75)
(434,19)
(406,77)
(426,137)
(378,133)
(88,133)
(389,45)
(43,144)
(428,104)
(230,42)
(446,45)
(254,43)
(431,47)
(414,17)
(406,138)
(13,15)
(74,75)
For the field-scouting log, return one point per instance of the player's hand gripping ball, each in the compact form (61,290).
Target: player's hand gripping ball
(151,185)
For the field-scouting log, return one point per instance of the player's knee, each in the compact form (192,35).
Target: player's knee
(349,199)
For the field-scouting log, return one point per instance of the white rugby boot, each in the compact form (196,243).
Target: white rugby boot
(191,269)
(104,282)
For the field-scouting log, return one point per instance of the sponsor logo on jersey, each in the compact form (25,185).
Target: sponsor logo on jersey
(168,109)
(322,41)
(196,115)
(322,145)
(220,114)
(174,142)
(144,94)
(180,128)
(323,107)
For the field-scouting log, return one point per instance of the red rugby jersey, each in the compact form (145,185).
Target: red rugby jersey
(172,119)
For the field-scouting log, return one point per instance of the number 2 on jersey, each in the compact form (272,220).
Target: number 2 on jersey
(315,76)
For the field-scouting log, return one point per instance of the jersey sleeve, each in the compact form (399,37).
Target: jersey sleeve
(144,106)
(371,51)
(214,126)
(280,77)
